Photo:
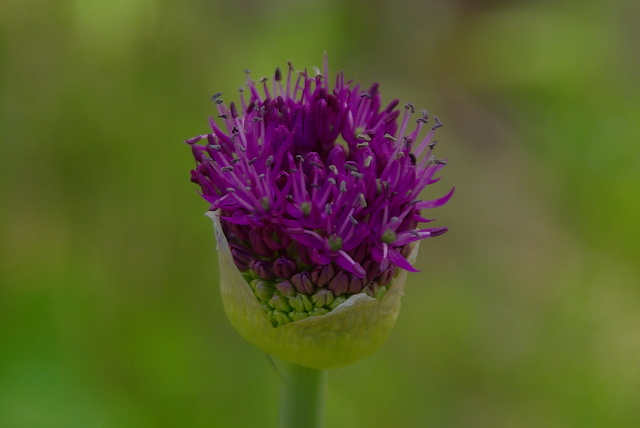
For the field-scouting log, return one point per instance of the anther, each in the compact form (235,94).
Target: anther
(438,123)
(278,75)
(361,200)
(216,96)
(410,106)
(367,161)
(390,137)
(424,118)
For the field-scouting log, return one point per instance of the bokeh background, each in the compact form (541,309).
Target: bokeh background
(526,313)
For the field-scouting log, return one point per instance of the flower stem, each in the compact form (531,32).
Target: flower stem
(303,396)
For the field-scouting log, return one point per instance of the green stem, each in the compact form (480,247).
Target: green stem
(303,396)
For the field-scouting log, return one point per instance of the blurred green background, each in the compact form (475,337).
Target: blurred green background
(526,313)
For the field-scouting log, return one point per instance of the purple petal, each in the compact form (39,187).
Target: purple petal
(399,260)
(347,263)
(436,202)
(308,238)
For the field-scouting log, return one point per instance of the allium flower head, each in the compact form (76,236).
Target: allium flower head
(315,191)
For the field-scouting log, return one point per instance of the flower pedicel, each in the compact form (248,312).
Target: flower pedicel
(314,193)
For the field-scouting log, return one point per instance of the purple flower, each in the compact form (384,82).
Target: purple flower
(318,184)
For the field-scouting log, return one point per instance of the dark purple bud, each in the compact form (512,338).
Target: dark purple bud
(302,282)
(286,288)
(372,288)
(242,257)
(355,284)
(259,245)
(263,269)
(322,275)
(385,277)
(360,253)
(304,253)
(284,268)
(406,250)
(372,268)
(339,284)
(269,238)
(240,265)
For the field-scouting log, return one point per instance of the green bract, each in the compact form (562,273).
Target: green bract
(351,331)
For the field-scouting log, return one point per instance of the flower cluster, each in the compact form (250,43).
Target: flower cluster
(317,189)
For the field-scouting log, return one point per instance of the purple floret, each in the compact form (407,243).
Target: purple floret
(308,175)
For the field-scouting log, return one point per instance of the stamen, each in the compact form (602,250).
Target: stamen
(438,123)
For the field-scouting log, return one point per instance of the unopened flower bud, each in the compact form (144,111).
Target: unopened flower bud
(339,284)
(313,190)
(262,269)
(284,268)
(323,297)
(286,288)
(321,275)
(264,290)
(280,302)
(302,282)
(301,303)
(259,245)
(355,285)
(279,318)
